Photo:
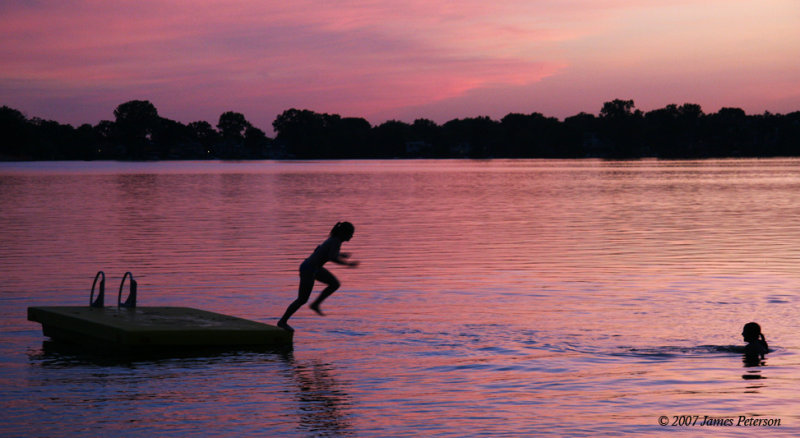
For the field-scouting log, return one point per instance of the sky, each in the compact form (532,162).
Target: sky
(75,61)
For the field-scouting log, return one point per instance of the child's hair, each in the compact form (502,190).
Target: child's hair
(752,332)
(343,230)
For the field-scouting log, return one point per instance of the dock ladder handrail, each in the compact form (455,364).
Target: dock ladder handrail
(131,301)
(99,302)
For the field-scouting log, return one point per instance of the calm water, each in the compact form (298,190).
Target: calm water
(511,298)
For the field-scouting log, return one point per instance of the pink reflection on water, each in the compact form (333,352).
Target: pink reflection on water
(514,297)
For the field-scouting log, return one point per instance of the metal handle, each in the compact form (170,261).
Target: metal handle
(101,294)
(131,301)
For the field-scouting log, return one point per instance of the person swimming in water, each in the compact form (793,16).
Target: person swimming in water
(756,346)
(312,269)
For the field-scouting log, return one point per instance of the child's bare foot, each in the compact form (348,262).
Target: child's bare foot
(315,307)
(285,326)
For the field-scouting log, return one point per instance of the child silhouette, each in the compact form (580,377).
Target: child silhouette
(311,269)
(756,346)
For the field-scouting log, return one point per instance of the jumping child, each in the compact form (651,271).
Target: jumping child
(311,269)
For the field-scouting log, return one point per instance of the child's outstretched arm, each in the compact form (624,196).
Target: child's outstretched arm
(341,259)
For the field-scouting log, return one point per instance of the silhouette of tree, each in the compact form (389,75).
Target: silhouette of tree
(256,143)
(232,125)
(690,111)
(16,134)
(662,129)
(728,131)
(136,120)
(172,139)
(50,136)
(202,134)
(581,135)
(532,135)
(620,131)
(136,114)
(787,131)
(426,138)
(472,137)
(350,137)
(303,132)
(86,141)
(391,138)
(617,109)
(674,131)
(107,145)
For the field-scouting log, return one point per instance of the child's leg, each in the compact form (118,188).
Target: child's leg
(303,293)
(326,277)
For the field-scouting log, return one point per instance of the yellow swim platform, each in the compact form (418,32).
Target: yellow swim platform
(128,327)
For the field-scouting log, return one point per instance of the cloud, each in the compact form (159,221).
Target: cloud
(376,58)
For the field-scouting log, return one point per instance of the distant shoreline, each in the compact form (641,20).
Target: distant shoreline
(620,131)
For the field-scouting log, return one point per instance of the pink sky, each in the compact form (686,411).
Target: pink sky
(75,61)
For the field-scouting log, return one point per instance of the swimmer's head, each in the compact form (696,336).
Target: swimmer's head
(751,332)
(343,230)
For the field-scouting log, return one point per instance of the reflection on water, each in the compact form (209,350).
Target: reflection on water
(308,385)
(322,402)
(519,298)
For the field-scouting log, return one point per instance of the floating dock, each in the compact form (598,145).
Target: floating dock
(154,328)
(131,328)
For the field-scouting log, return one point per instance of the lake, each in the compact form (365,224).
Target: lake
(494,298)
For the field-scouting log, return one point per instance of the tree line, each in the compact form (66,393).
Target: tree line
(618,131)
